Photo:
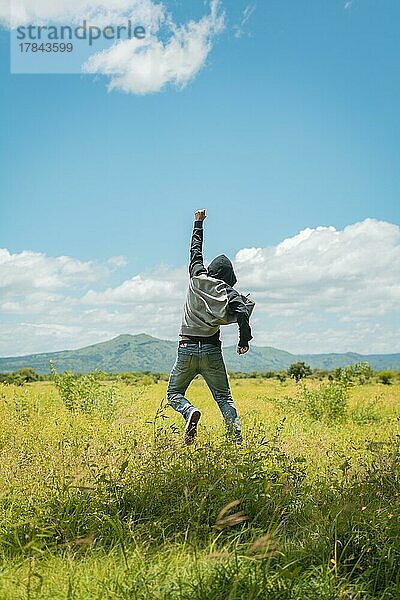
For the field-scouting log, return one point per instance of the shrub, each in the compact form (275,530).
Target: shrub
(281,377)
(28,375)
(12,379)
(365,413)
(85,393)
(356,373)
(25,375)
(385,377)
(142,378)
(327,403)
(299,370)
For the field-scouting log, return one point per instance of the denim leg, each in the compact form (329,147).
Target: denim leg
(183,371)
(212,368)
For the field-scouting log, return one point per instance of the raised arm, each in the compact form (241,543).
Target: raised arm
(196,266)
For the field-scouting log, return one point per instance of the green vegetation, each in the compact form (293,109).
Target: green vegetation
(86,393)
(100,499)
(386,377)
(25,375)
(299,370)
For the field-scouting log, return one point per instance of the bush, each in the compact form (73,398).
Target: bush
(356,373)
(85,393)
(25,375)
(299,370)
(365,413)
(11,379)
(141,378)
(28,375)
(327,403)
(385,377)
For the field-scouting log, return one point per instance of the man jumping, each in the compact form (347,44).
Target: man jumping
(211,302)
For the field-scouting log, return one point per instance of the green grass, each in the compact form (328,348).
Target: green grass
(110,504)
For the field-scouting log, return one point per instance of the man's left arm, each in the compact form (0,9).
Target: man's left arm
(237,306)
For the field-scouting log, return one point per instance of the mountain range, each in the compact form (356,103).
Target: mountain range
(145,353)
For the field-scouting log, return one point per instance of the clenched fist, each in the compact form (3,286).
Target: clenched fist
(200,215)
(242,349)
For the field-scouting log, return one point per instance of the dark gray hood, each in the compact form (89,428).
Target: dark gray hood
(222,268)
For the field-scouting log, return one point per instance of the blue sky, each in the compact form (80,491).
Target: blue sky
(293,122)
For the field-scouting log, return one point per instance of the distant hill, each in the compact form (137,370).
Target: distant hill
(145,353)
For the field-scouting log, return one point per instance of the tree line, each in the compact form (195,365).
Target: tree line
(358,373)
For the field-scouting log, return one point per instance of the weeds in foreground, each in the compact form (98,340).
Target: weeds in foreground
(86,393)
(327,403)
(116,507)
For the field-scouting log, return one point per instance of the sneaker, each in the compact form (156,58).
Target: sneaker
(238,439)
(191,426)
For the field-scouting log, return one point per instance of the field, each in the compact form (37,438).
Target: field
(100,499)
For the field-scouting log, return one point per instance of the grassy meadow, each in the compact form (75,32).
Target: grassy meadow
(100,499)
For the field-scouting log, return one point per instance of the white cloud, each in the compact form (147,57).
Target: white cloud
(116,262)
(169,54)
(322,278)
(321,290)
(139,290)
(240,28)
(33,271)
(146,66)
(363,258)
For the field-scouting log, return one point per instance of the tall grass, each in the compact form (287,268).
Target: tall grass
(105,503)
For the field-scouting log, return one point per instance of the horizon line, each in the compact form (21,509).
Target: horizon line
(296,354)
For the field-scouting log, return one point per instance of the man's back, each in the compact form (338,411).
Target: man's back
(211,299)
(211,302)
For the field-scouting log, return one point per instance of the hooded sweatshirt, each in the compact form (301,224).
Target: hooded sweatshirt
(211,299)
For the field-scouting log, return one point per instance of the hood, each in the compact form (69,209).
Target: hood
(222,268)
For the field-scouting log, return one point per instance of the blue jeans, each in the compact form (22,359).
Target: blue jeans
(206,360)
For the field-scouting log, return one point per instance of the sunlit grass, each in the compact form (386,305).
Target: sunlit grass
(100,507)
